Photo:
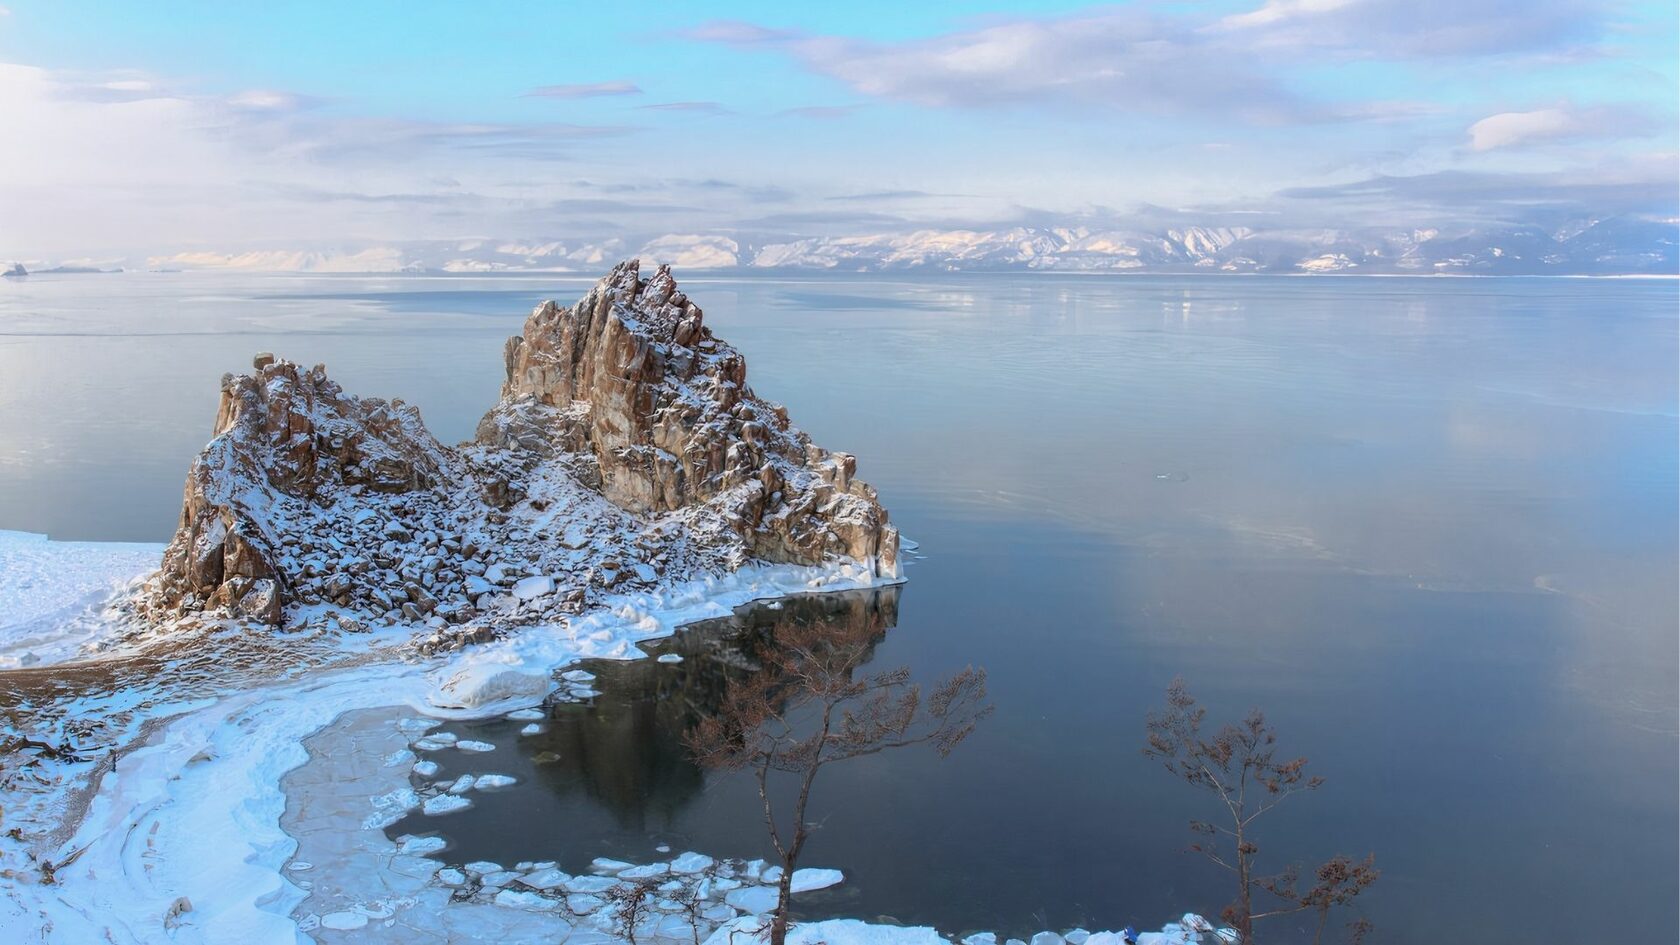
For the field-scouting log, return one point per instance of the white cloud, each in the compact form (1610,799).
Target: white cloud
(1430,29)
(269,100)
(1178,60)
(586,90)
(1509,128)
(1112,59)
(1111,105)
(1277,11)
(1175,60)
(120,161)
(699,108)
(1514,129)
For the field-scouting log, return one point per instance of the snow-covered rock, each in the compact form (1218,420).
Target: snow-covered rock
(532,588)
(626,449)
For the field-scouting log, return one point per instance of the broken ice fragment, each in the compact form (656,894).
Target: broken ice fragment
(444,804)
(420,846)
(544,879)
(755,900)
(809,879)
(523,899)
(390,808)
(692,863)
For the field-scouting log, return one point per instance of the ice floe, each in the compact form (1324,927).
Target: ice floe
(444,804)
(421,846)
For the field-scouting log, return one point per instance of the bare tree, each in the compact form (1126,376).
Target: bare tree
(631,902)
(691,903)
(1338,880)
(804,710)
(1239,766)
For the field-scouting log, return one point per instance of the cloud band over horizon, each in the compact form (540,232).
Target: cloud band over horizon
(1304,112)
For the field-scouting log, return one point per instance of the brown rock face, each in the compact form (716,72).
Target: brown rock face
(283,437)
(626,450)
(632,374)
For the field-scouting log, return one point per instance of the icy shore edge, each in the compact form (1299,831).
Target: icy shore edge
(182,841)
(193,811)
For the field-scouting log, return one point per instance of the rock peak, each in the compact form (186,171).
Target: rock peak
(626,450)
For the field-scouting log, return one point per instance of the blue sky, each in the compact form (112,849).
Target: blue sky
(173,126)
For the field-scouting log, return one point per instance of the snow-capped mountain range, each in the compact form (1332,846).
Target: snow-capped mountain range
(1613,246)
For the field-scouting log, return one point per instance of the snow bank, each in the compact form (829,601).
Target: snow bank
(51,593)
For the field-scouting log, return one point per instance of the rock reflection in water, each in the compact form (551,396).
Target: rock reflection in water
(609,776)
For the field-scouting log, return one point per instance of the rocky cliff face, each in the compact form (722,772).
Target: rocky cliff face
(626,451)
(632,375)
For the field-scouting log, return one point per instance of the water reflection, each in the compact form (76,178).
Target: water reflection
(610,776)
(624,748)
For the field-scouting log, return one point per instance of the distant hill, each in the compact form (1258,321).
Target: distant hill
(1613,246)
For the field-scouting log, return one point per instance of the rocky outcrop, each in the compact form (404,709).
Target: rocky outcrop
(633,375)
(626,451)
(285,440)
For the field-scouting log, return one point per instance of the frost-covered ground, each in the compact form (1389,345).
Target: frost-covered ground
(51,592)
(196,815)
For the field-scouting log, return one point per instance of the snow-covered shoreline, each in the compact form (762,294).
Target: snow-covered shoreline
(182,839)
(194,810)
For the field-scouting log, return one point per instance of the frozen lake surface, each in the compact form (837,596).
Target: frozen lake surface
(1428,525)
